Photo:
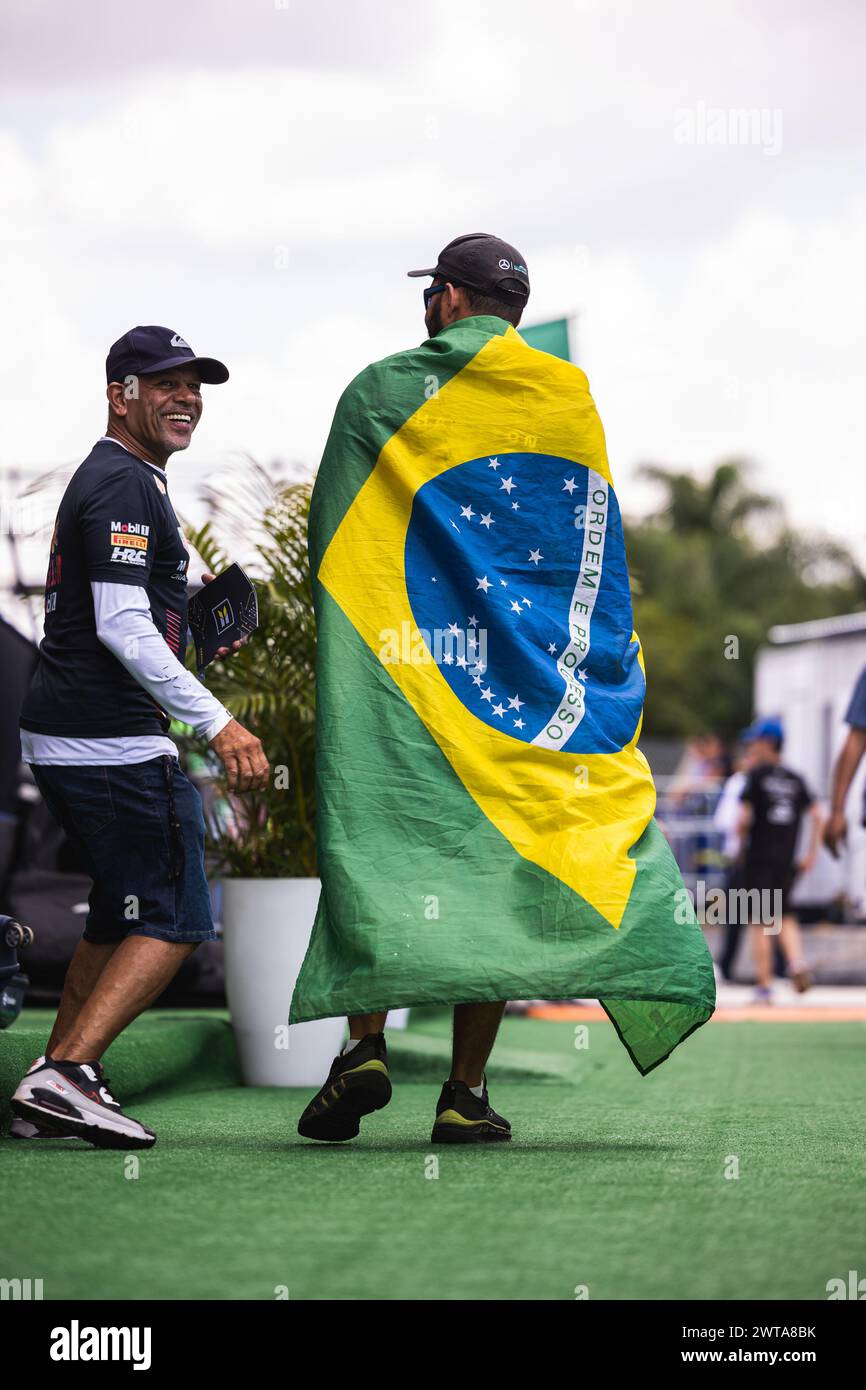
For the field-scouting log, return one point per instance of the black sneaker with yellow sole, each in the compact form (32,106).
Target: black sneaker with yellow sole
(357,1084)
(462,1118)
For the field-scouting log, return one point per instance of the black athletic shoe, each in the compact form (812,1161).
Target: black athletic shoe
(461,1118)
(357,1084)
(73,1098)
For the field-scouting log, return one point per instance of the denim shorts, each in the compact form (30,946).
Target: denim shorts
(140,830)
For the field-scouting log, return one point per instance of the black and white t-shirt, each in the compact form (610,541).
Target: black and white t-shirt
(778,797)
(115,526)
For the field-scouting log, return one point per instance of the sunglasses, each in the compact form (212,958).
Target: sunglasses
(429,293)
(437,289)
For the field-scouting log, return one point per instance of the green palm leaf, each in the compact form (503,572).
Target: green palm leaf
(270,684)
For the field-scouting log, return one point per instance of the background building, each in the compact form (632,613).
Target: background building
(805,675)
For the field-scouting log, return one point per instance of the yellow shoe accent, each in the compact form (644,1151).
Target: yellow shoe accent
(373,1065)
(451,1117)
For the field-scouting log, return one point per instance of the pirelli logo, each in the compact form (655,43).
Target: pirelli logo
(132,541)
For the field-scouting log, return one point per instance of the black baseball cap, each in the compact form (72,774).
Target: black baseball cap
(484,263)
(149,348)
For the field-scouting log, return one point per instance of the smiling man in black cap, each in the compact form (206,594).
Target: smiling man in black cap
(94,728)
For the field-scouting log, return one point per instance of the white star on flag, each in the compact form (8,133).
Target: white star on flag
(467,512)
(515,506)
(448,659)
(499,709)
(462,662)
(535,556)
(508,484)
(454,629)
(526,601)
(483,583)
(487,694)
(494,463)
(518,723)
(515,702)
(487,520)
(570,486)
(515,607)
(581,674)
(473,621)
(552,649)
(476,680)
(504,583)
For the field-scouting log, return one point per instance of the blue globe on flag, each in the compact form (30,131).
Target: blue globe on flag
(506,559)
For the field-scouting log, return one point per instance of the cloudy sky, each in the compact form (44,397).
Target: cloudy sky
(259,177)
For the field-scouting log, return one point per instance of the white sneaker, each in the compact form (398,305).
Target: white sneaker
(73,1098)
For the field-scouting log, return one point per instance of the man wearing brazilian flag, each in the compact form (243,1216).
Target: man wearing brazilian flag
(485,818)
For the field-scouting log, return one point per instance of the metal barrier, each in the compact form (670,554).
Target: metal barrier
(685,814)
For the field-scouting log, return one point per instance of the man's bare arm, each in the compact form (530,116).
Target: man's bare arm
(816,817)
(836,829)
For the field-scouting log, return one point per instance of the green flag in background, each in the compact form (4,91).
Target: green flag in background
(552,337)
(484,816)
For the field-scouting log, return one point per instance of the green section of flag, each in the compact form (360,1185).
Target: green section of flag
(552,337)
(373,407)
(423,900)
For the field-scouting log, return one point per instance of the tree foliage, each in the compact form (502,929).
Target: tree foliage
(718,561)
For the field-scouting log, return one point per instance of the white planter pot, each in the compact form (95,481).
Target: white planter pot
(266,931)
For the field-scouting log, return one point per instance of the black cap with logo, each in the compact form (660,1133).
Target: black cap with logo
(483,263)
(149,348)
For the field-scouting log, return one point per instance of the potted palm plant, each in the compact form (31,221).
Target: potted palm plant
(263,844)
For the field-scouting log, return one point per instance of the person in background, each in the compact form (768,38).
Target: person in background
(701,770)
(774,800)
(847,763)
(726,821)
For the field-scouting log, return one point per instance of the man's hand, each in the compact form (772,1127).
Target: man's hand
(835,832)
(244,758)
(235,646)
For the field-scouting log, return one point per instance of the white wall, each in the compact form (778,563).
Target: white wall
(809,685)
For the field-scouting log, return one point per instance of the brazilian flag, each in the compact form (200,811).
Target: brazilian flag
(484,816)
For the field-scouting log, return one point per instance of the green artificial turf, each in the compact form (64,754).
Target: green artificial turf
(612,1181)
